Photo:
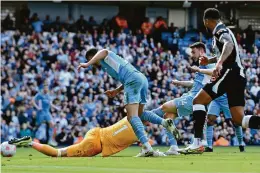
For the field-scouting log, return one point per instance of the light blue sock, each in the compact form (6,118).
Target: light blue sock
(138,128)
(151,117)
(210,136)
(239,134)
(158,112)
(51,132)
(171,138)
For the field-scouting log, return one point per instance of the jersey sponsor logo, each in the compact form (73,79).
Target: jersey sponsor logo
(120,130)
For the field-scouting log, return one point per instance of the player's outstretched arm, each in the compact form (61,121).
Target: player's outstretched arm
(102,54)
(183,83)
(204,71)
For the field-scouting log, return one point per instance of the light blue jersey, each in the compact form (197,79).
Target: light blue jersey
(135,83)
(45,99)
(44,114)
(200,80)
(184,103)
(117,67)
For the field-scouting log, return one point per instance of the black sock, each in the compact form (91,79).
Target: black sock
(254,122)
(199,121)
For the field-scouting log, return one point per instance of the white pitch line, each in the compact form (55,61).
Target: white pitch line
(109,169)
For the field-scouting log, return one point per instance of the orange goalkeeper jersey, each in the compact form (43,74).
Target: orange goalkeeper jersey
(117,137)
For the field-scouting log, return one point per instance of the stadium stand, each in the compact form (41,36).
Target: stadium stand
(49,51)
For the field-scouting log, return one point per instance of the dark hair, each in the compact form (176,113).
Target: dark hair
(211,13)
(199,45)
(90,53)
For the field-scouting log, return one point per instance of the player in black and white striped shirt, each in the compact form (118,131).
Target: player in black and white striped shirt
(228,77)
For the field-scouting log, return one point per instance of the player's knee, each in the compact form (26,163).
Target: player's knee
(164,108)
(211,120)
(169,115)
(196,100)
(236,121)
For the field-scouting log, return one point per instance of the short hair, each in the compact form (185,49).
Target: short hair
(199,45)
(91,52)
(211,13)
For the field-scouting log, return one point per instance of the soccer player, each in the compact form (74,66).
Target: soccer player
(42,102)
(228,77)
(135,86)
(107,141)
(214,109)
(182,106)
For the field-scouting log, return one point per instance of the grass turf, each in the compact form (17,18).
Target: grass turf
(228,160)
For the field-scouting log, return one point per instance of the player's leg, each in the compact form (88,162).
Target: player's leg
(138,127)
(135,91)
(167,123)
(199,115)
(237,102)
(213,112)
(48,118)
(27,141)
(89,146)
(238,129)
(239,134)
(173,150)
(209,92)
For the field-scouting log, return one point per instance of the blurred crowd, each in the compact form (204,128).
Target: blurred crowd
(45,51)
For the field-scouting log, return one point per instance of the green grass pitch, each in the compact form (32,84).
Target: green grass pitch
(228,160)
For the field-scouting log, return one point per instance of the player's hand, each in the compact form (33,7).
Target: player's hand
(194,68)
(39,108)
(175,82)
(203,60)
(83,65)
(111,93)
(217,70)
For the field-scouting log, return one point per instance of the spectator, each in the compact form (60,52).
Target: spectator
(92,23)
(81,24)
(105,25)
(47,23)
(119,22)
(255,90)
(57,24)
(147,26)
(250,34)
(70,24)
(25,131)
(25,13)
(37,25)
(8,22)
(172,28)
(160,24)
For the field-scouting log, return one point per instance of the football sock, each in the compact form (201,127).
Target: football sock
(199,115)
(171,138)
(151,117)
(210,136)
(158,111)
(239,134)
(138,128)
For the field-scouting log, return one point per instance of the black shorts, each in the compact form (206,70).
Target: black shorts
(230,82)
